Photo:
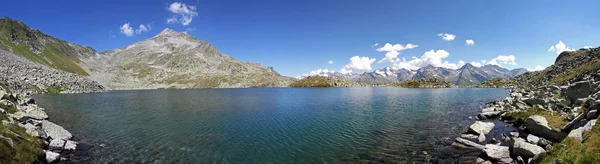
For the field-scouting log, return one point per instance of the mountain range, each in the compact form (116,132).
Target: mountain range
(168,60)
(174,59)
(466,75)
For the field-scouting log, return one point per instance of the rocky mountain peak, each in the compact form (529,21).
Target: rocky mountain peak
(168,32)
(467,66)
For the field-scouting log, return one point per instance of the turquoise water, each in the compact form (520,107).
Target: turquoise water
(270,125)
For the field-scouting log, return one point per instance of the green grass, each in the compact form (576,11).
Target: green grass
(54,89)
(313,81)
(26,149)
(54,52)
(32,87)
(555,121)
(574,151)
(564,77)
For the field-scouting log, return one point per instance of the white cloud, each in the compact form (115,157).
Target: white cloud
(375,45)
(502,59)
(393,50)
(330,62)
(127,30)
(476,64)
(469,42)
(141,29)
(184,12)
(537,68)
(319,72)
(588,47)
(559,47)
(434,58)
(447,36)
(358,64)
(187,30)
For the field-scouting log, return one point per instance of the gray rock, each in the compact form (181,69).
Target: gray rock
(544,142)
(496,152)
(469,136)
(30,129)
(28,112)
(493,114)
(574,123)
(576,133)
(589,125)
(534,101)
(578,90)
(592,114)
(487,162)
(51,156)
(520,160)
(70,145)
(538,125)
(55,132)
(2,111)
(533,139)
(481,137)
(481,127)
(468,144)
(56,144)
(527,150)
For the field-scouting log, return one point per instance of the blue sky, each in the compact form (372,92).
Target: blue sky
(299,36)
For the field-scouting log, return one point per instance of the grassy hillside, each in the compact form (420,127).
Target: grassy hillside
(36,46)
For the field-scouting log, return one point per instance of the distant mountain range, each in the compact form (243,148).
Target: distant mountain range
(177,60)
(465,76)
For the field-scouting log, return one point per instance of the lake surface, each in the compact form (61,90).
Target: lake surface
(268,125)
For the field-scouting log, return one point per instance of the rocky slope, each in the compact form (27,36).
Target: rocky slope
(22,75)
(177,60)
(468,75)
(555,111)
(18,38)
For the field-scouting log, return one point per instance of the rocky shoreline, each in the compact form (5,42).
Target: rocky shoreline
(19,80)
(551,118)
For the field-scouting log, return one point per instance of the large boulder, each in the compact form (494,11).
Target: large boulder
(467,144)
(538,125)
(70,145)
(55,131)
(497,152)
(534,101)
(28,112)
(578,90)
(481,127)
(527,150)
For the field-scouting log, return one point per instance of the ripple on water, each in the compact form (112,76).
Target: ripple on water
(284,125)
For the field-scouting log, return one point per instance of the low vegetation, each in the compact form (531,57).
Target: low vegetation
(422,83)
(572,150)
(16,146)
(320,81)
(555,120)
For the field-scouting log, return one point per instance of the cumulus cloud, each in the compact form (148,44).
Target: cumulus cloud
(588,47)
(318,72)
(434,58)
(330,62)
(502,59)
(358,64)
(537,68)
(476,64)
(469,42)
(559,47)
(393,50)
(142,28)
(127,30)
(183,13)
(447,36)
